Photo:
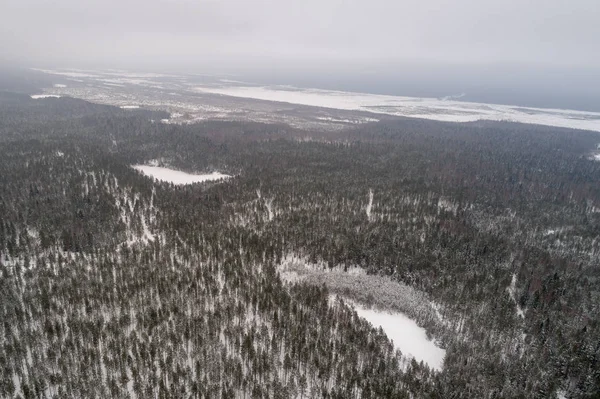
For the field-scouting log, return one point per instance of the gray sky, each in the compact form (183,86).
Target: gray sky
(250,33)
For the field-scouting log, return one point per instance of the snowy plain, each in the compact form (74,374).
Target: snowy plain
(446,110)
(227,99)
(177,177)
(406,335)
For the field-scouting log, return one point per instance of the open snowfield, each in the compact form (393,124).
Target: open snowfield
(406,335)
(177,177)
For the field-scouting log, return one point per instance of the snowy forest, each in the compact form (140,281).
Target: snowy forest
(113,284)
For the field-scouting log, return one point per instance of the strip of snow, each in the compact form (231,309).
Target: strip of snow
(59,86)
(353,121)
(38,96)
(129,106)
(447,110)
(406,335)
(177,177)
(370,204)
(67,73)
(511,292)
(269,205)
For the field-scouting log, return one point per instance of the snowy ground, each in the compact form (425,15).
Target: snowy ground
(354,285)
(426,108)
(406,335)
(177,177)
(39,96)
(192,98)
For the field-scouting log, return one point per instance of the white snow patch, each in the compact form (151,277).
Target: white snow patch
(269,205)
(560,394)
(59,86)
(177,177)
(353,121)
(129,106)
(70,73)
(511,292)
(406,335)
(38,96)
(370,204)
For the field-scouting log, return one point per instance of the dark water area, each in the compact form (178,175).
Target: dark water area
(577,89)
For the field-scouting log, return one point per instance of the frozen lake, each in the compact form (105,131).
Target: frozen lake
(177,177)
(406,335)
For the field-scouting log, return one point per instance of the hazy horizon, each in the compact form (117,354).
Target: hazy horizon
(523,53)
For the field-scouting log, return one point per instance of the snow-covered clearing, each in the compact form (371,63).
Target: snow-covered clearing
(406,335)
(177,177)
(39,96)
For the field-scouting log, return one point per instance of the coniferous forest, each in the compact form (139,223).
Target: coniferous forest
(115,285)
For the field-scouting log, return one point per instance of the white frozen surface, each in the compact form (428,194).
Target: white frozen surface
(406,335)
(428,108)
(59,86)
(185,95)
(130,106)
(39,96)
(177,177)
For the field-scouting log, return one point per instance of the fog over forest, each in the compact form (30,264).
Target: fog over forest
(537,53)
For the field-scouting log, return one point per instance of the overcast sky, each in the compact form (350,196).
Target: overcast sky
(314,32)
